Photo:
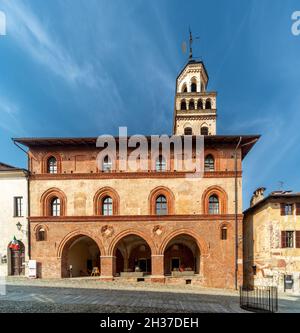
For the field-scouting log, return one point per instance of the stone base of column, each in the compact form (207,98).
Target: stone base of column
(158,279)
(106,278)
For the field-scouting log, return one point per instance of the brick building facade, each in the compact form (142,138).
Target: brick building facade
(161,224)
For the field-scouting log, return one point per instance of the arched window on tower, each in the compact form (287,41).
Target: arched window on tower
(184,88)
(191,105)
(188,131)
(209,163)
(52,165)
(213,207)
(200,104)
(55,207)
(204,130)
(183,105)
(107,206)
(161,207)
(194,87)
(208,104)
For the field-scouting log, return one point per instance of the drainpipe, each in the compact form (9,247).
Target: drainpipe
(236,206)
(236,247)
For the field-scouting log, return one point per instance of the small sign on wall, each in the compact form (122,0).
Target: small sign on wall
(32,271)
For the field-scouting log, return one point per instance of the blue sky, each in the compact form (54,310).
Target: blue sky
(83,68)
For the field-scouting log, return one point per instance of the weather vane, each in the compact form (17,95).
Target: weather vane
(184,46)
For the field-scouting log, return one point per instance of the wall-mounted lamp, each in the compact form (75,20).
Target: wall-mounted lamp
(19,226)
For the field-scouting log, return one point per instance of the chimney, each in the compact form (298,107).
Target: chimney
(257,196)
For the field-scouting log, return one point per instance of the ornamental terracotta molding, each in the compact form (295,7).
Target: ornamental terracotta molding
(48,196)
(129,232)
(131,175)
(157,230)
(155,193)
(107,231)
(136,218)
(101,195)
(37,229)
(202,245)
(68,239)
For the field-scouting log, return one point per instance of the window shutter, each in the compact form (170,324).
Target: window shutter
(283,239)
(282,209)
(298,239)
(297,208)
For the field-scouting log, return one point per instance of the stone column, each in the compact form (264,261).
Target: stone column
(107,267)
(157,274)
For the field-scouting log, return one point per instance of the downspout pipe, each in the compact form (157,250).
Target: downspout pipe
(236,247)
(236,205)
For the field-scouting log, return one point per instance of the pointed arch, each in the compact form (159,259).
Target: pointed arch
(191,104)
(161,191)
(46,159)
(103,193)
(47,198)
(184,231)
(184,88)
(128,232)
(76,234)
(215,191)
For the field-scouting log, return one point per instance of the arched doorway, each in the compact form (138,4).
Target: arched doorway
(133,255)
(16,258)
(182,256)
(80,256)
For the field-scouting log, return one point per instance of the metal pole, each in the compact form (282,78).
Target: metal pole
(236,214)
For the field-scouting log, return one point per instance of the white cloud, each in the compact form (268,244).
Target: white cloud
(29,32)
(10,120)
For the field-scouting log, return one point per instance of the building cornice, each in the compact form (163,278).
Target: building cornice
(132,175)
(133,218)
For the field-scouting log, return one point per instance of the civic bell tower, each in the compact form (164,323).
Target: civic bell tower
(195,110)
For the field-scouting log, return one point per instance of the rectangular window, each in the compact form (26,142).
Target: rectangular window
(18,206)
(287,239)
(286,209)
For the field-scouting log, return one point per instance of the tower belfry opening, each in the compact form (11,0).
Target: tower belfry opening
(195,107)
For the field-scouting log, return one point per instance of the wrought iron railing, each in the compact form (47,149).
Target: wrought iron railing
(259,299)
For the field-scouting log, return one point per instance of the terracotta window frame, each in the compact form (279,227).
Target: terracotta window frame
(215,156)
(223,199)
(48,197)
(161,191)
(37,233)
(103,193)
(45,162)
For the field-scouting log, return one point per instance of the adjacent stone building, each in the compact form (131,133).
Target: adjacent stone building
(158,224)
(13,220)
(272,240)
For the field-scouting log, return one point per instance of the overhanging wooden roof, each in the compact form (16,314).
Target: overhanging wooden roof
(247,141)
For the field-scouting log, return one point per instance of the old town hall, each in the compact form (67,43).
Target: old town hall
(142,225)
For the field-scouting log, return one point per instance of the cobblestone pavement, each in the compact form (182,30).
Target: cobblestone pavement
(92,295)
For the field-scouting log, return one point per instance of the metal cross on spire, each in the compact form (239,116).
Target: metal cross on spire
(184,45)
(191,44)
